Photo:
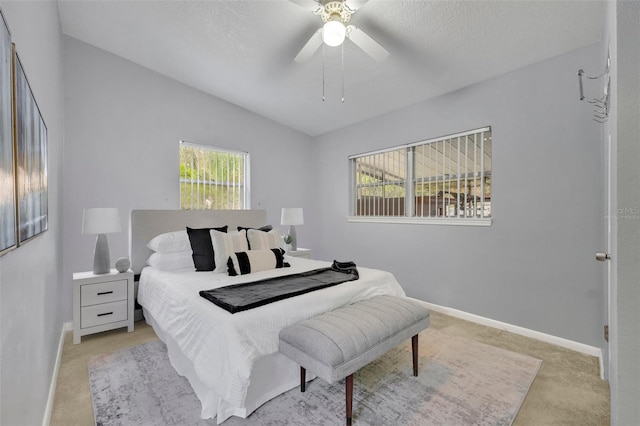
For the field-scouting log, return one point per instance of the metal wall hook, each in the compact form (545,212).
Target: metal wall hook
(602,104)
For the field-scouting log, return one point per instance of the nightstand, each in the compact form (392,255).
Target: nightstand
(301,252)
(101,302)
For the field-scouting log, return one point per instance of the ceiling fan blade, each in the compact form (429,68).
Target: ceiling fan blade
(310,47)
(354,4)
(366,43)
(311,5)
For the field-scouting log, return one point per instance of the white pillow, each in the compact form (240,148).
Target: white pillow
(224,244)
(168,261)
(170,242)
(260,240)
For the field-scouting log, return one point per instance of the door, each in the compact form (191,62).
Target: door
(610,216)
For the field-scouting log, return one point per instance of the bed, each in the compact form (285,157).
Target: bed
(231,360)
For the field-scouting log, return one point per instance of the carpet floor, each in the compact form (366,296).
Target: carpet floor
(461,382)
(566,391)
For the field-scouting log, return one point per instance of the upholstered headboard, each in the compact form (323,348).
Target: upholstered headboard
(146,224)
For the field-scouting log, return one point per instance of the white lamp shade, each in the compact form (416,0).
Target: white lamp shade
(292,216)
(101,220)
(333,33)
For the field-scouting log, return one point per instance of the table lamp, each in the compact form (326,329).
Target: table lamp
(292,217)
(101,221)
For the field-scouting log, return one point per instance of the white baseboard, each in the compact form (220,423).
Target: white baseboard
(67,326)
(547,338)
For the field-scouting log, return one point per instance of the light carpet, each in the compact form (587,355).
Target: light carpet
(460,382)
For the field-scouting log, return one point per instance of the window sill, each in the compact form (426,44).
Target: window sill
(422,221)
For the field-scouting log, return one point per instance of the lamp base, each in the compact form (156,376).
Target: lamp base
(294,240)
(101,259)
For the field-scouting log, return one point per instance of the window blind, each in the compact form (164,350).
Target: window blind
(446,177)
(213,178)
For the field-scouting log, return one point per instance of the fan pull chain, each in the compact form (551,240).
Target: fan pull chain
(323,72)
(342,46)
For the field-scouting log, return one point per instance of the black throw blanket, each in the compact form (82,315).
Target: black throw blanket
(241,297)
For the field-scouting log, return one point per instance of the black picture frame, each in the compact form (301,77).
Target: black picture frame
(8,220)
(31,159)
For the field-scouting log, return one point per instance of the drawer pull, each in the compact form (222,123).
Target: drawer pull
(106,313)
(102,293)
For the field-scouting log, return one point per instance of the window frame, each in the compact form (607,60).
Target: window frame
(246,175)
(410,187)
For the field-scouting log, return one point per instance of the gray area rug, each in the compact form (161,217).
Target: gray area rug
(461,382)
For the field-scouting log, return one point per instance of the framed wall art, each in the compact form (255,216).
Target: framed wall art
(7,167)
(31,159)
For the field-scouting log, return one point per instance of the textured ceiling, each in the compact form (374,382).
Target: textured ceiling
(242,51)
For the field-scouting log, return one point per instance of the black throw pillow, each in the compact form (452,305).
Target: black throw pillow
(265,228)
(202,247)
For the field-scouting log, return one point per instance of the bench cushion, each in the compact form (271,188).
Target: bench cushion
(338,343)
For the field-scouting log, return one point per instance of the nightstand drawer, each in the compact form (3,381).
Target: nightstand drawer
(93,294)
(102,302)
(103,314)
(301,252)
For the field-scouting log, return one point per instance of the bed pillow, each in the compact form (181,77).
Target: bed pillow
(224,244)
(202,248)
(259,240)
(170,242)
(265,228)
(169,261)
(251,261)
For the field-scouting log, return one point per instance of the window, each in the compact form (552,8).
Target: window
(445,179)
(213,178)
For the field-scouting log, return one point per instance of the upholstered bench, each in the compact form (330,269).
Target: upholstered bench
(336,344)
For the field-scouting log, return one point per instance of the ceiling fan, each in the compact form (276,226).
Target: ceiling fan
(336,14)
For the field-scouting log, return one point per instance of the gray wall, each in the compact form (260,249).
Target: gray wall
(31,276)
(534,267)
(123,124)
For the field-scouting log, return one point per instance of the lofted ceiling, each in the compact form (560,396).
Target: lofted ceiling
(242,51)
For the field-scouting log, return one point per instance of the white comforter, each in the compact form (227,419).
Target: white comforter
(223,346)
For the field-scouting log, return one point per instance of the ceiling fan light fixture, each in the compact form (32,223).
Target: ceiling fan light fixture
(334,32)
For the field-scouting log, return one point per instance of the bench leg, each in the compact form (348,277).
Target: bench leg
(349,395)
(414,350)
(303,379)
